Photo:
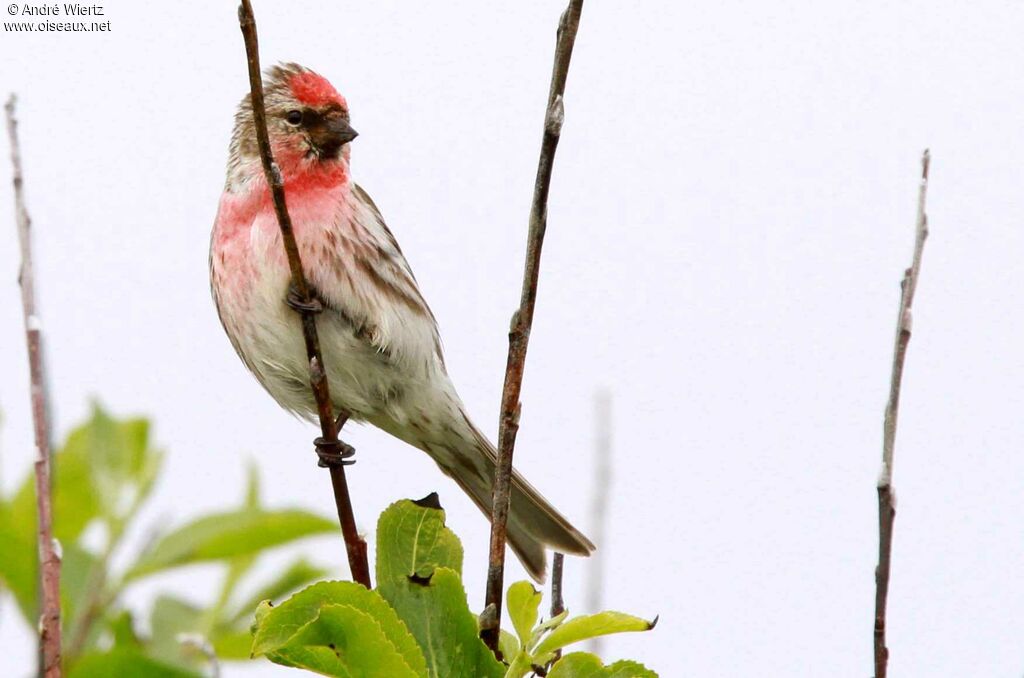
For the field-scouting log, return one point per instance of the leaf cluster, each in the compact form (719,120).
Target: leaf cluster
(417,623)
(104,473)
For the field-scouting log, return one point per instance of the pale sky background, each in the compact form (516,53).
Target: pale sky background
(731,212)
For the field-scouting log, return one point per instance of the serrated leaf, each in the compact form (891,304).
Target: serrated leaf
(277,627)
(126,662)
(586,665)
(436,612)
(626,668)
(344,641)
(523,604)
(227,535)
(412,540)
(589,626)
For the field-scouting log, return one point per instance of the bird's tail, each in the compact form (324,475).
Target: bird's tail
(533,523)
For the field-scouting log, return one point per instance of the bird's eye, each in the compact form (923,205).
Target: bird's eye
(294,117)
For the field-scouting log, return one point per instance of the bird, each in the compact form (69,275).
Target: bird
(380,342)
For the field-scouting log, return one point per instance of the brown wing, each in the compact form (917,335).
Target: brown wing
(390,271)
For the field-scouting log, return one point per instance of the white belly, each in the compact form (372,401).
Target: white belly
(382,357)
(267,334)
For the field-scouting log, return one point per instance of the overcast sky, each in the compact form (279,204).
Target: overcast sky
(731,212)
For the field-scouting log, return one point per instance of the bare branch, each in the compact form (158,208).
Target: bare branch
(331,450)
(522,319)
(557,601)
(886,494)
(49,556)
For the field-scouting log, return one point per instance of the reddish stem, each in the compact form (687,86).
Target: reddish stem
(49,558)
(522,322)
(354,544)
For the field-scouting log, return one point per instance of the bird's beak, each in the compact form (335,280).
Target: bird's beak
(340,132)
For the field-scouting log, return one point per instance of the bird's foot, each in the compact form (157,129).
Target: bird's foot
(334,453)
(295,300)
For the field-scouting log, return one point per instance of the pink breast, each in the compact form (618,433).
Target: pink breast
(317,206)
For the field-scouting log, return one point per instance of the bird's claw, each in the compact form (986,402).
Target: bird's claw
(334,453)
(311,305)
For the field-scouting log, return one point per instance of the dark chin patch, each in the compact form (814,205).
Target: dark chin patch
(329,150)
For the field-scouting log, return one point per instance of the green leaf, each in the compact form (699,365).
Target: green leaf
(586,665)
(122,627)
(297,575)
(75,505)
(552,623)
(233,645)
(436,612)
(75,500)
(590,626)
(170,617)
(117,448)
(523,603)
(18,567)
(413,540)
(76,583)
(126,662)
(278,628)
(508,644)
(227,535)
(122,465)
(344,641)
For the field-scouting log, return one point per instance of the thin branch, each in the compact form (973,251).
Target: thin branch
(522,321)
(557,601)
(599,506)
(305,303)
(49,558)
(886,494)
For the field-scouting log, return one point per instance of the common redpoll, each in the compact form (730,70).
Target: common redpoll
(379,339)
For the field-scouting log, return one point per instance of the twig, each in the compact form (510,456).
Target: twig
(522,320)
(49,558)
(599,506)
(557,601)
(307,306)
(886,494)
